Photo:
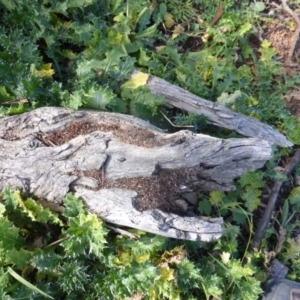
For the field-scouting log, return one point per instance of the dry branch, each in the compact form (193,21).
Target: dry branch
(264,221)
(216,114)
(297,32)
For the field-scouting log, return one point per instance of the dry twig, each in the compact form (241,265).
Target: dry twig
(297,33)
(264,221)
(178,126)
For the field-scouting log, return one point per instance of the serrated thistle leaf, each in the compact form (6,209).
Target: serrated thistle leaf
(145,245)
(45,72)
(73,206)
(47,263)
(247,289)
(41,214)
(73,277)
(26,283)
(9,200)
(21,205)
(99,98)
(175,255)
(9,236)
(86,235)
(245,27)
(142,258)
(166,274)
(123,258)
(19,258)
(237,271)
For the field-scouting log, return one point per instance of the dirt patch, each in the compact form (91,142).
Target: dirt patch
(281,37)
(159,191)
(292,101)
(281,34)
(142,137)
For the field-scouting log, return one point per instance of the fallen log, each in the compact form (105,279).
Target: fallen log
(127,171)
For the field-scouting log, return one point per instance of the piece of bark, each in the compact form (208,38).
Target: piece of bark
(216,113)
(124,168)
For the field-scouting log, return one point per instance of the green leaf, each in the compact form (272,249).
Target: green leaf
(47,263)
(216,197)
(2,209)
(73,277)
(18,258)
(8,4)
(73,206)
(292,126)
(26,283)
(294,198)
(75,100)
(4,95)
(40,214)
(258,6)
(251,196)
(228,100)
(149,32)
(9,236)
(10,201)
(86,69)
(247,289)
(17,110)
(238,215)
(267,53)
(285,213)
(212,285)
(136,81)
(252,178)
(189,275)
(146,244)
(85,235)
(204,207)
(245,27)
(100,98)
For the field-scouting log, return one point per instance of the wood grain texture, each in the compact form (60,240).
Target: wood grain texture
(216,114)
(116,161)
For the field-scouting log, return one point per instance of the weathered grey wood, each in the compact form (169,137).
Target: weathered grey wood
(216,114)
(140,151)
(115,206)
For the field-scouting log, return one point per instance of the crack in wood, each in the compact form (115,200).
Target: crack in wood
(123,167)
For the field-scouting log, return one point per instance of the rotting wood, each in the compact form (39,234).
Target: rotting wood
(216,113)
(127,171)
